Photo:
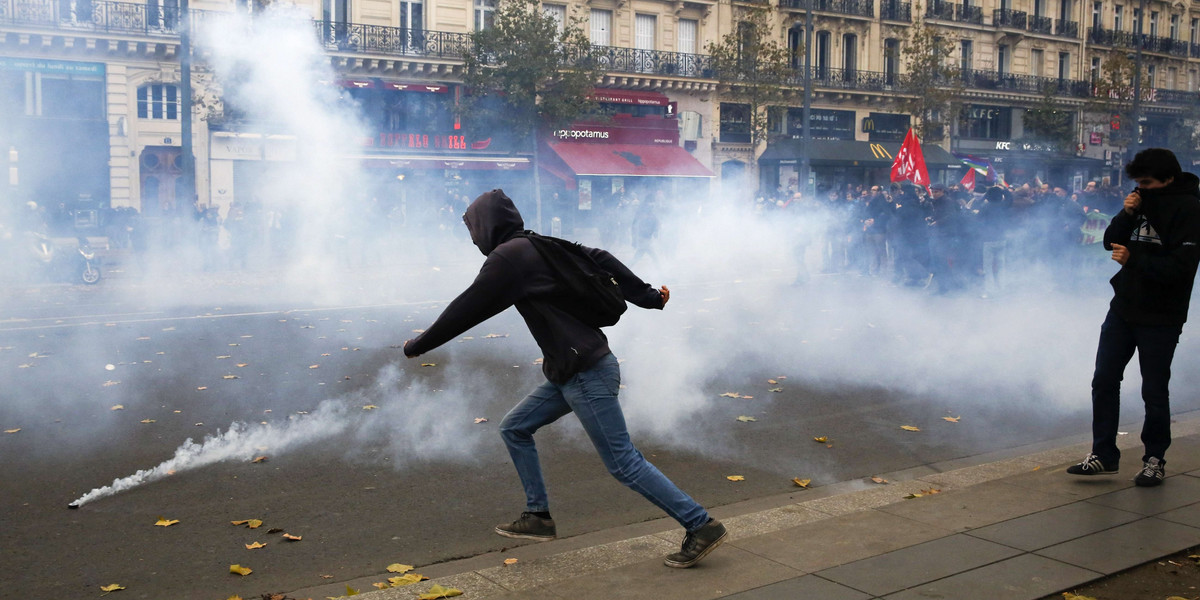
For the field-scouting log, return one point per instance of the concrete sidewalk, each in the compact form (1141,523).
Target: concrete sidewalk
(1010,524)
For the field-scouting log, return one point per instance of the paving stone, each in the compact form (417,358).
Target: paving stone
(1055,526)
(839,540)
(1175,492)
(1125,546)
(1188,515)
(976,506)
(1057,481)
(918,564)
(552,569)
(875,497)
(471,584)
(1021,578)
(725,571)
(978,474)
(807,586)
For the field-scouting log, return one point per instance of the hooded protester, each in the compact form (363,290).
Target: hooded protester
(1156,240)
(582,374)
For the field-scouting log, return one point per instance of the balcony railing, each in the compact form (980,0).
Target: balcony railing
(849,79)
(1128,39)
(1066,28)
(895,11)
(380,39)
(1029,84)
(1195,50)
(966,13)
(1041,24)
(940,10)
(857,8)
(1007,17)
(92,15)
(616,59)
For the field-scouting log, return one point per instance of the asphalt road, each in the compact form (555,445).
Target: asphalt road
(395,467)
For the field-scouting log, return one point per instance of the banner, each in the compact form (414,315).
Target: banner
(1093,228)
(910,162)
(968,180)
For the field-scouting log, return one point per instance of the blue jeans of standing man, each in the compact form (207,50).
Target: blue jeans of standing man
(592,396)
(1155,346)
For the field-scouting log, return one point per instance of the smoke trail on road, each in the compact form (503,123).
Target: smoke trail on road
(240,442)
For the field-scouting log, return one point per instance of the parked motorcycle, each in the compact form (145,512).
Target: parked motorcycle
(55,263)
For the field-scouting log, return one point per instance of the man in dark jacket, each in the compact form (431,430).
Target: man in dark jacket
(1156,239)
(582,374)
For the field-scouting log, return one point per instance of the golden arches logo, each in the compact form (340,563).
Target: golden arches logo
(879,151)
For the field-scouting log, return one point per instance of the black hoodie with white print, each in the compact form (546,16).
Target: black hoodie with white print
(515,274)
(1163,237)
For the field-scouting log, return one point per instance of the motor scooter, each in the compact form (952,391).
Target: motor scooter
(81,265)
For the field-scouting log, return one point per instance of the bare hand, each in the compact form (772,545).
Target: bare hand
(1132,203)
(1121,253)
(666,294)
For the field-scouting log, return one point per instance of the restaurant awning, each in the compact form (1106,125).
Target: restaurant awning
(853,153)
(629,160)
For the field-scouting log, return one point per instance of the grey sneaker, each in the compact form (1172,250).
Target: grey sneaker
(1152,473)
(1092,465)
(529,527)
(697,545)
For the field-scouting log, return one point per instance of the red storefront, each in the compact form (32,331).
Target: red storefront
(600,166)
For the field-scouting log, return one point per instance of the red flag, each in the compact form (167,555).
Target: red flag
(968,180)
(910,162)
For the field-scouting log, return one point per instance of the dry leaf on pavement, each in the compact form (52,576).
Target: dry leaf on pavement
(118,407)
(399,568)
(12,430)
(292,538)
(736,395)
(909,428)
(801,482)
(428,364)
(736,478)
(951,419)
(821,440)
(746,419)
(879,480)
(510,561)
(259,459)
(407,579)
(165,522)
(240,570)
(255,546)
(438,591)
(479,420)
(370,407)
(112,587)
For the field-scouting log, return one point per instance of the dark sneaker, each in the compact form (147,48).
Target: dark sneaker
(1092,465)
(697,545)
(529,527)
(1152,473)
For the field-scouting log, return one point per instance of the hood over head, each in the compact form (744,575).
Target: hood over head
(492,219)
(1184,184)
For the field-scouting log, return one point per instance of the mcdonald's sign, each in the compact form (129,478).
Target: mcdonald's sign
(880,152)
(868,124)
(885,127)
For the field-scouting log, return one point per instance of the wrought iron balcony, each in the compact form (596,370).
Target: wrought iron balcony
(940,10)
(966,13)
(1195,50)
(1128,39)
(855,8)
(1066,28)
(92,15)
(1029,84)
(890,10)
(1007,17)
(633,60)
(1041,24)
(380,39)
(1181,97)
(849,79)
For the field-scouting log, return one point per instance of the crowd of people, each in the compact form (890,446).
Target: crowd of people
(944,237)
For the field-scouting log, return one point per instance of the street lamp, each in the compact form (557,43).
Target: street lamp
(806,178)
(1135,112)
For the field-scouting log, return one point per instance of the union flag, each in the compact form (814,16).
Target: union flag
(910,162)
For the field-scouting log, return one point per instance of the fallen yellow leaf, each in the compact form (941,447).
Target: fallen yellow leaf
(110,383)
(479,420)
(879,480)
(148,421)
(1070,596)
(314,367)
(736,478)
(118,407)
(909,428)
(165,522)
(240,365)
(821,440)
(951,419)
(428,364)
(254,523)
(370,407)
(240,570)
(112,587)
(408,579)
(399,568)
(776,390)
(202,388)
(229,377)
(381,585)
(510,561)
(224,357)
(746,419)
(292,538)
(234,597)
(438,591)
(254,546)
(772,381)
(801,482)
(259,459)
(12,430)
(351,591)
(736,395)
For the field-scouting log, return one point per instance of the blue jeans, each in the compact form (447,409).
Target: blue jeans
(592,396)
(1156,348)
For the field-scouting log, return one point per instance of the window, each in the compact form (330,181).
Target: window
(335,11)
(1172,78)
(601,21)
(559,13)
(485,14)
(891,60)
(986,122)
(412,16)
(967,56)
(849,52)
(1095,70)
(1154,23)
(1118,17)
(735,122)
(1152,75)
(1173,31)
(1196,31)
(1037,58)
(795,45)
(820,58)
(1037,8)
(1064,10)
(643,37)
(158,101)
(1064,65)
(1002,59)
(1193,83)
(1096,6)
(687,35)
(1137,20)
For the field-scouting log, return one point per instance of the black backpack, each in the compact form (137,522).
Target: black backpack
(592,294)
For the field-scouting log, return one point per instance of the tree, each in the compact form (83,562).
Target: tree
(1184,137)
(1111,104)
(528,75)
(754,67)
(1050,122)
(932,83)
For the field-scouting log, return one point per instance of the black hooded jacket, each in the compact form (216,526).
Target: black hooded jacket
(515,274)
(1163,238)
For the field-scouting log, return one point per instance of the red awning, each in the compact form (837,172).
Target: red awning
(356,83)
(404,86)
(629,160)
(630,97)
